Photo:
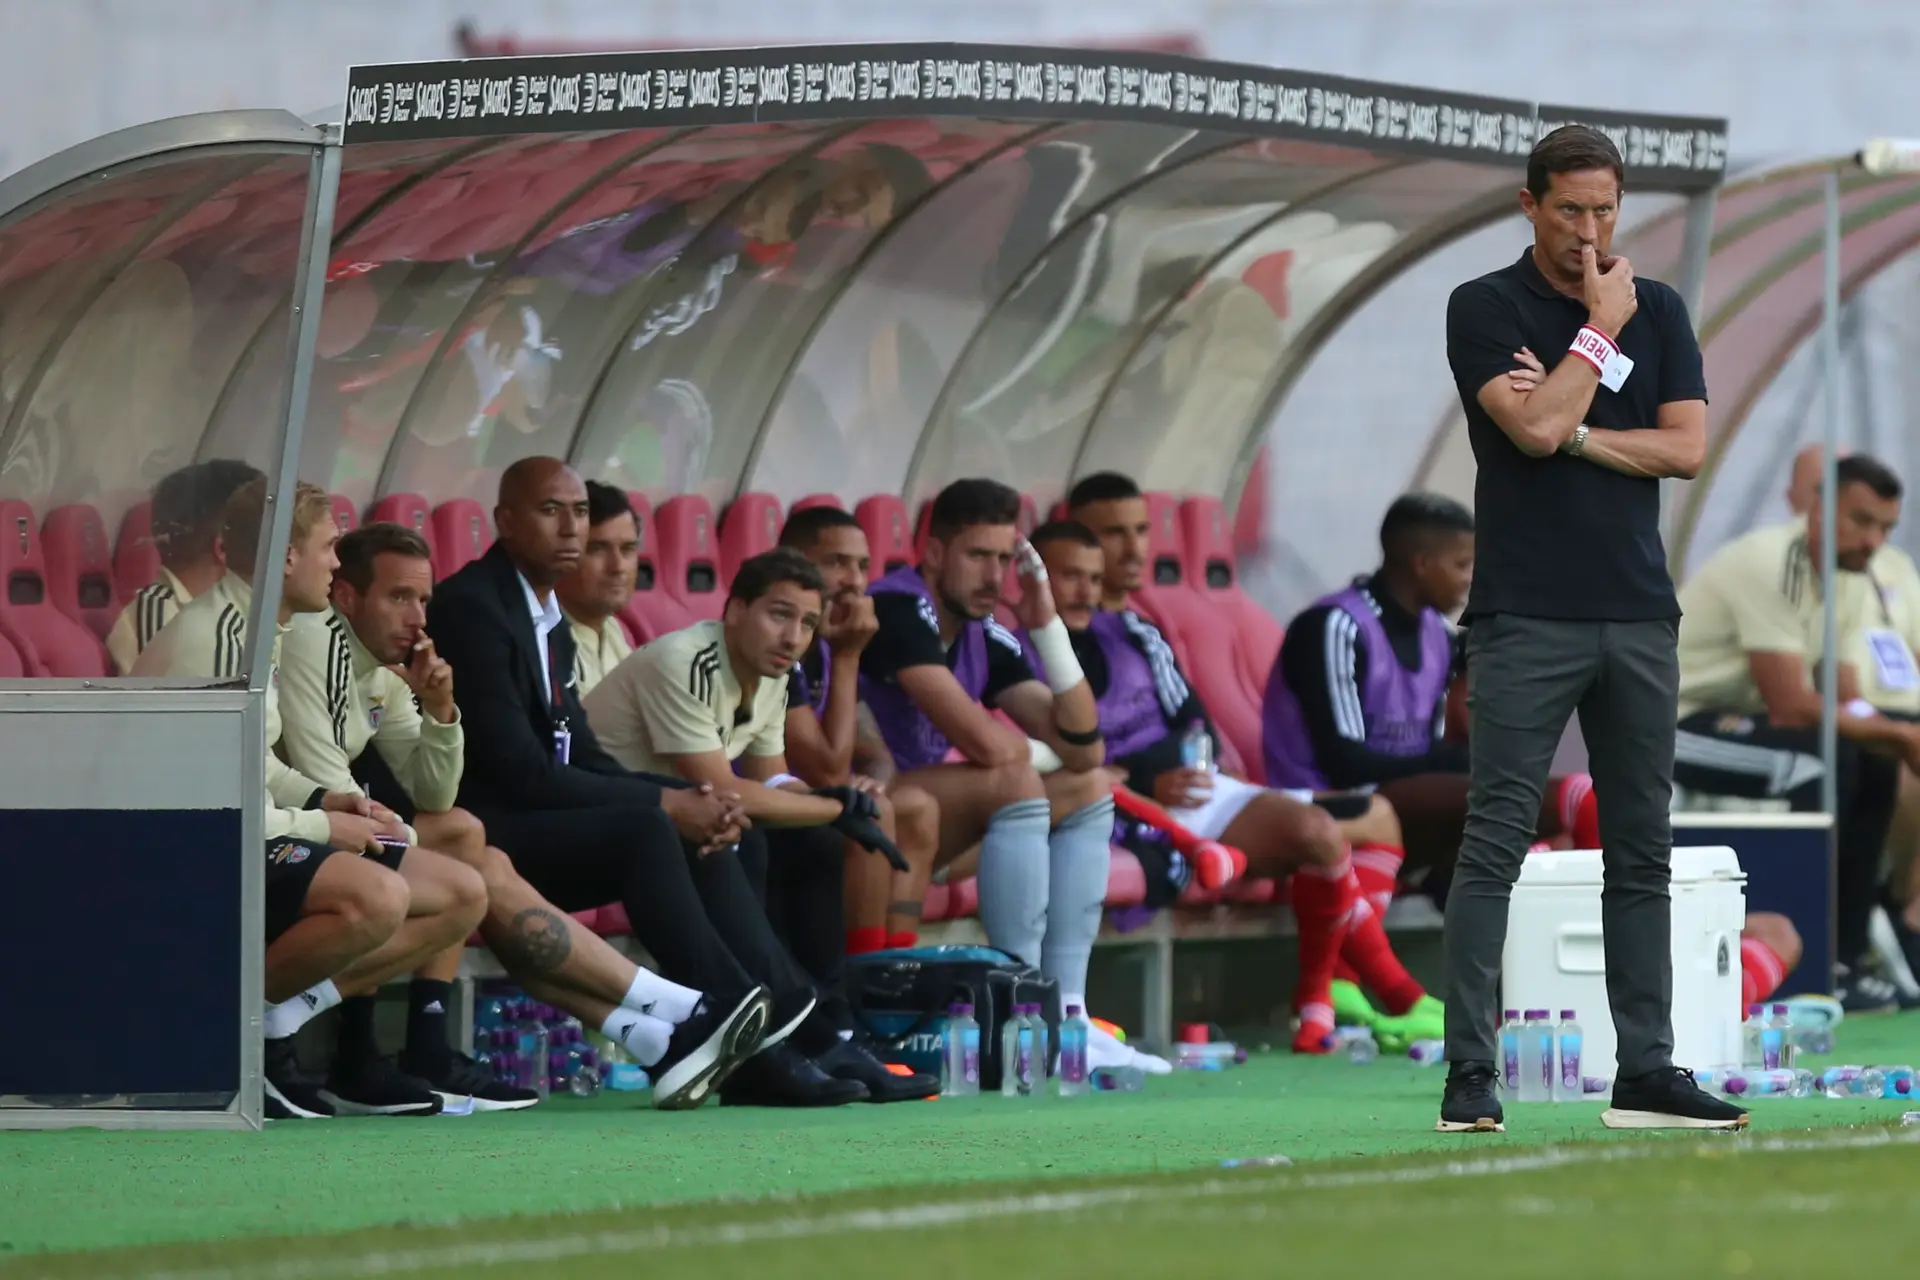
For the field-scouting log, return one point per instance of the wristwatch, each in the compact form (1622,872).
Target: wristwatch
(1576,443)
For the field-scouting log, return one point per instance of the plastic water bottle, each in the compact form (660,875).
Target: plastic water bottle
(1042,1050)
(532,1059)
(1775,1083)
(1213,1055)
(1117,1079)
(1196,747)
(1016,1055)
(1074,1029)
(960,1054)
(1428,1053)
(1852,1082)
(1536,1058)
(1750,1047)
(1567,1040)
(1362,1049)
(1775,1048)
(1510,1053)
(1900,1084)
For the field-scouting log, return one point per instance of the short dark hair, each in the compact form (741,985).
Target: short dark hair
(803,528)
(1416,520)
(1858,468)
(966,503)
(605,502)
(189,507)
(1065,531)
(359,549)
(759,574)
(1102,486)
(1572,148)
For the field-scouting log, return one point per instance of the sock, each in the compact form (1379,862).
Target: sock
(1323,899)
(1343,972)
(1761,971)
(653,995)
(429,1056)
(1377,868)
(640,1034)
(287,1017)
(1080,853)
(901,939)
(1366,948)
(861,941)
(357,1040)
(1579,810)
(1014,869)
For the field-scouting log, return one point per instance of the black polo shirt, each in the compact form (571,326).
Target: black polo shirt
(1561,537)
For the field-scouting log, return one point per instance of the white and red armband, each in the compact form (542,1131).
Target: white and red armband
(1604,354)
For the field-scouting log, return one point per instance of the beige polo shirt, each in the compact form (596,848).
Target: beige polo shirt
(1757,594)
(596,651)
(679,696)
(1879,630)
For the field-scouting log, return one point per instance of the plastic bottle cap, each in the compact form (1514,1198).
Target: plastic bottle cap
(1535,1013)
(1194,1033)
(1566,1015)
(1073,1011)
(1512,1014)
(1755,1009)
(960,1009)
(1780,1009)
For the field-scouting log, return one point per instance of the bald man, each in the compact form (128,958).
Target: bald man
(585,831)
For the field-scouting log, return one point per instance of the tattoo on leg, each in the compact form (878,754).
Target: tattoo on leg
(911,909)
(537,942)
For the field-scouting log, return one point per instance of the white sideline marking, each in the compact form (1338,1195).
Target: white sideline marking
(486,1253)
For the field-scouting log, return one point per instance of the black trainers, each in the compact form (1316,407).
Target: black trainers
(1668,1099)
(784,1077)
(785,1015)
(1860,992)
(851,1060)
(706,1049)
(466,1079)
(291,1093)
(1468,1106)
(374,1086)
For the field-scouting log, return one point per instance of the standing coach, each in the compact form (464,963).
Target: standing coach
(1572,609)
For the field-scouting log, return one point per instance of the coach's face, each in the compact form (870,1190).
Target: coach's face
(768,635)
(543,521)
(391,616)
(602,583)
(1578,209)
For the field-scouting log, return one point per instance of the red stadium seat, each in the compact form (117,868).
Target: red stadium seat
(11,668)
(889,538)
(749,526)
(817,500)
(1164,592)
(650,612)
(409,509)
(79,566)
(1210,569)
(462,532)
(684,546)
(346,516)
(136,562)
(50,643)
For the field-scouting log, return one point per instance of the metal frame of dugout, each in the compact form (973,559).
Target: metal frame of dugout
(168,774)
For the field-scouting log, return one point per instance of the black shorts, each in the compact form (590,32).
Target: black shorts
(377,780)
(291,865)
(1345,806)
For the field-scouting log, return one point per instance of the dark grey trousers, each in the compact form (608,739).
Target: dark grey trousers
(1525,677)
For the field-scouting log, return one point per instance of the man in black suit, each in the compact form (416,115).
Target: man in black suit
(585,831)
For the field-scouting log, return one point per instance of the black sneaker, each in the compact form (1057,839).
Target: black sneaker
(784,1077)
(1668,1099)
(1860,992)
(291,1093)
(1468,1106)
(786,1014)
(706,1049)
(374,1086)
(851,1060)
(466,1079)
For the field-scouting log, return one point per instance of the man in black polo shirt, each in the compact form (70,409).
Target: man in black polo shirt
(1572,609)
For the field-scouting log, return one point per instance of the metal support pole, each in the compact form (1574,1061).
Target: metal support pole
(1830,455)
(1696,247)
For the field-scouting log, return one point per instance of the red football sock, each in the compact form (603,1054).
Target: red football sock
(861,941)
(1343,972)
(1377,868)
(1366,948)
(1761,971)
(1579,810)
(1323,900)
(902,939)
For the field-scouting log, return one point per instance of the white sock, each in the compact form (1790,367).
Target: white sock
(653,995)
(643,1035)
(287,1017)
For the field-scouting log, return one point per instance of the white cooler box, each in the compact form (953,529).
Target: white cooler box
(1555,957)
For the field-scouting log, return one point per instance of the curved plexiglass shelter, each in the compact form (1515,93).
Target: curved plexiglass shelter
(781,272)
